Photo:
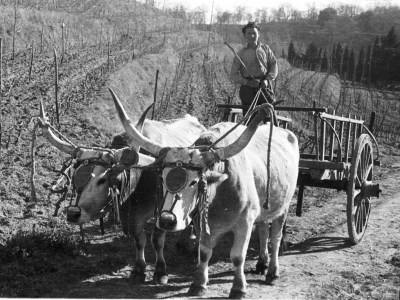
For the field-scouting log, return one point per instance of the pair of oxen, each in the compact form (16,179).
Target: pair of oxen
(191,173)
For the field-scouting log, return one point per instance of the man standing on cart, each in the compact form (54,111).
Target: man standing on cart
(254,67)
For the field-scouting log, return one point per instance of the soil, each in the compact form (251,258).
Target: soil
(319,264)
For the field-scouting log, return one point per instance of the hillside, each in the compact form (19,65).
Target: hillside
(41,255)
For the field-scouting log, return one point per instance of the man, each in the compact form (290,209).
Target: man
(257,68)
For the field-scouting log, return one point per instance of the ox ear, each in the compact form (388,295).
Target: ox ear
(127,158)
(215,177)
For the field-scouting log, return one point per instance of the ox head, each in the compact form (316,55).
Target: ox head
(95,172)
(186,169)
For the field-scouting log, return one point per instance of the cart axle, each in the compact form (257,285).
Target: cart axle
(370,190)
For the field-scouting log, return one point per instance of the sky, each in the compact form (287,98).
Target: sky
(252,5)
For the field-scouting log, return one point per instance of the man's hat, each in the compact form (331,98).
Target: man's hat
(250,25)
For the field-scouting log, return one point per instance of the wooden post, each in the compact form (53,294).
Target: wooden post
(14,29)
(332,138)
(56,87)
(41,41)
(348,141)
(33,197)
(323,139)
(62,39)
(30,65)
(316,133)
(155,95)
(108,56)
(299,207)
(1,82)
(372,122)
(341,135)
(355,132)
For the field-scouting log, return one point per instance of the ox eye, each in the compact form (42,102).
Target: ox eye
(101,181)
(193,183)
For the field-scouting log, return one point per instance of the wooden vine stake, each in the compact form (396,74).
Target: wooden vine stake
(31,64)
(1,86)
(14,30)
(155,94)
(62,39)
(41,41)
(33,198)
(56,88)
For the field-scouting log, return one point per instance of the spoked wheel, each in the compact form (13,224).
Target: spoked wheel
(358,188)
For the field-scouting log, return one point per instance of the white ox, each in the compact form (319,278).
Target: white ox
(96,171)
(237,185)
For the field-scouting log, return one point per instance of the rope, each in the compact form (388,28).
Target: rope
(203,205)
(266,203)
(253,103)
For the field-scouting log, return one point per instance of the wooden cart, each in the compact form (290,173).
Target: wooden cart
(342,159)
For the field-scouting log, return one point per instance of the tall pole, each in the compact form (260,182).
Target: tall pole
(14,30)
(155,95)
(56,87)
(209,34)
(1,81)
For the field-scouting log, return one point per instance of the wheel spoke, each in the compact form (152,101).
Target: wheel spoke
(363,208)
(368,173)
(357,219)
(361,166)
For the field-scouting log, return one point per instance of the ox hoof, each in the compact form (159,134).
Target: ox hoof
(198,291)
(260,269)
(237,294)
(137,278)
(160,278)
(270,278)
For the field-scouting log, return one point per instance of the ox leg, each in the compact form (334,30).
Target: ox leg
(242,234)
(138,273)
(263,258)
(157,241)
(276,236)
(284,245)
(207,244)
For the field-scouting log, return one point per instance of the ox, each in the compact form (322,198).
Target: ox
(98,171)
(230,185)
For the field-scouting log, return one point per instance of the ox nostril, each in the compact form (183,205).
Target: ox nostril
(167,220)
(73,213)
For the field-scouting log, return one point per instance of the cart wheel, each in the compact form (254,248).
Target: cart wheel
(358,206)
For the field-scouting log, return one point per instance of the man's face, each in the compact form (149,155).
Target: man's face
(251,35)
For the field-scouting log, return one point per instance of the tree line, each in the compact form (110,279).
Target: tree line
(378,64)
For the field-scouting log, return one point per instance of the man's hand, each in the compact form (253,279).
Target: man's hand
(254,83)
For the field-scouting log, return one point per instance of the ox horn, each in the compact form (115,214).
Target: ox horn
(51,137)
(142,141)
(140,123)
(245,137)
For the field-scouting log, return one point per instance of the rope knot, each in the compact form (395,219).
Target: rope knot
(203,185)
